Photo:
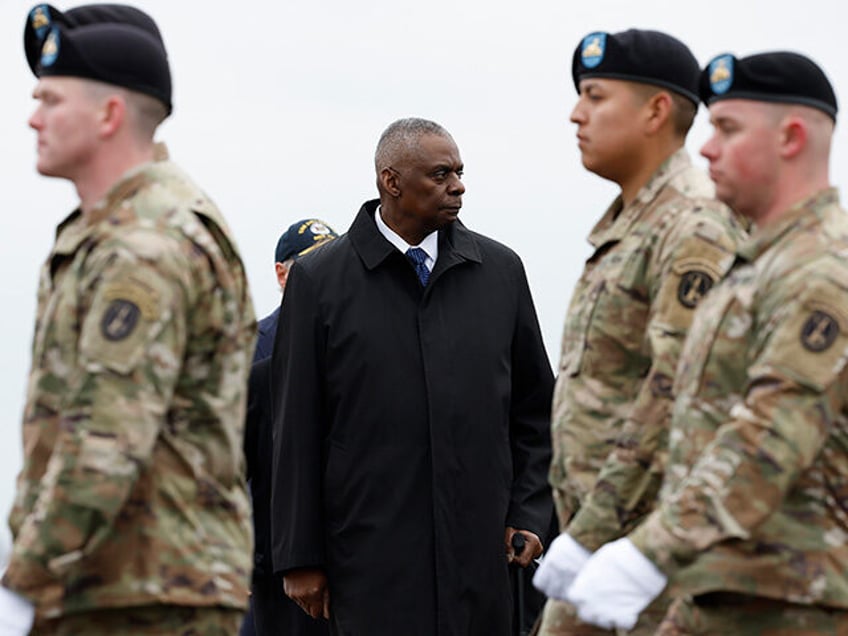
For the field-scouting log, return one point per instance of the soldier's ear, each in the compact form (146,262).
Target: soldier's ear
(793,136)
(112,114)
(658,108)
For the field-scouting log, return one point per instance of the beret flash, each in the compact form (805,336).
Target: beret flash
(780,77)
(647,57)
(111,43)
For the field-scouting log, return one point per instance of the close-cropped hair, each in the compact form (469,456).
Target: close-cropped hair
(144,111)
(683,110)
(401,138)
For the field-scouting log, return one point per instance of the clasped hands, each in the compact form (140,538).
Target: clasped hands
(609,588)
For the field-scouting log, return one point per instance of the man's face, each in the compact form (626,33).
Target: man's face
(66,122)
(430,182)
(609,127)
(744,154)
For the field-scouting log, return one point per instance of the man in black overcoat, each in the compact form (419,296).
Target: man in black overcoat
(412,397)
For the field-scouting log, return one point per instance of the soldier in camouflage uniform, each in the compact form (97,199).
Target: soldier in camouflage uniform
(131,513)
(659,248)
(751,528)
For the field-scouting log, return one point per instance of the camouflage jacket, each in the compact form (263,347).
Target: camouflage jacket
(628,316)
(132,489)
(757,480)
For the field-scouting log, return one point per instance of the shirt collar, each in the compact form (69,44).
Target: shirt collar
(430,244)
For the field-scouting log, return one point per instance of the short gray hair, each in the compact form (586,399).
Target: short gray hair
(401,138)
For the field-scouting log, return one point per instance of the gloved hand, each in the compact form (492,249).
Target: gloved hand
(559,566)
(615,585)
(16,613)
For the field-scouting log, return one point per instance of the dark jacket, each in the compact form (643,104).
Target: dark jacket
(272,612)
(267,328)
(411,426)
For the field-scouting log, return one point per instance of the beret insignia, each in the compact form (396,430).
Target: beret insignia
(592,51)
(39,19)
(819,331)
(693,285)
(721,74)
(50,50)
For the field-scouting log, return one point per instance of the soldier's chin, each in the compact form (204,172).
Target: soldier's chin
(46,170)
(587,162)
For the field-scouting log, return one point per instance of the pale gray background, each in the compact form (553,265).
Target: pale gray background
(278,106)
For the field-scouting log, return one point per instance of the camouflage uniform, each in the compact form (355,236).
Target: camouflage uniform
(149,620)
(132,491)
(757,479)
(750,616)
(628,316)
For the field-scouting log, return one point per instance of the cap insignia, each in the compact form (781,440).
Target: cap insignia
(39,19)
(319,228)
(721,74)
(50,50)
(592,49)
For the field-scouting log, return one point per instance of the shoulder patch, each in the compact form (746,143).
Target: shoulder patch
(809,343)
(694,284)
(138,293)
(819,331)
(119,319)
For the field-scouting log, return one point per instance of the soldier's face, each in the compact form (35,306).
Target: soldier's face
(609,122)
(744,154)
(66,122)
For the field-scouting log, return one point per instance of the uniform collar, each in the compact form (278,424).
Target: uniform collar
(803,215)
(618,219)
(126,185)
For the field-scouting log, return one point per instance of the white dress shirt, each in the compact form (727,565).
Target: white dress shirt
(430,244)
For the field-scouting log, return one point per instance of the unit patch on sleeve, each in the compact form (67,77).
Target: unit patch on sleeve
(119,319)
(819,331)
(693,285)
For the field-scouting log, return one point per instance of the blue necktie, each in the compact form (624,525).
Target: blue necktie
(417,256)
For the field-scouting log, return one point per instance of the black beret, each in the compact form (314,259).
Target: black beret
(781,77)
(301,237)
(647,57)
(110,43)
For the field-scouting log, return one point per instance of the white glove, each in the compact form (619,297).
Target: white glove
(559,566)
(16,613)
(616,584)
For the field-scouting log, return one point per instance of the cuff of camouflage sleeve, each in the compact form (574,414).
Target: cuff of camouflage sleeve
(667,551)
(25,575)
(592,528)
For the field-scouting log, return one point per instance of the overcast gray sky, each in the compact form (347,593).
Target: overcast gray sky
(278,107)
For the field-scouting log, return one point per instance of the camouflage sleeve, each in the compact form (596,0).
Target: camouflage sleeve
(794,395)
(695,254)
(129,339)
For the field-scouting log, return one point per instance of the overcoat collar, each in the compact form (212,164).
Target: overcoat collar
(456,242)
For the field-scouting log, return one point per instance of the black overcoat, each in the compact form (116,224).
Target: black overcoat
(411,426)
